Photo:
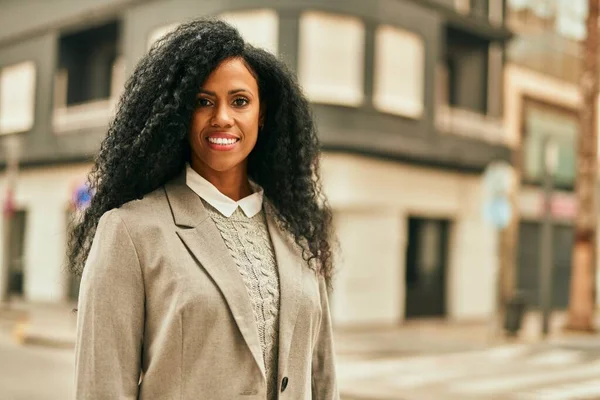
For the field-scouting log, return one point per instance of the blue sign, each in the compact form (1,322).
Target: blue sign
(82,197)
(498,179)
(498,211)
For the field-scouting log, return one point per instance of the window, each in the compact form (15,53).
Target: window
(87,58)
(466,71)
(260,28)
(89,79)
(562,126)
(16,251)
(462,6)
(17,97)
(331,59)
(399,72)
(571,18)
(567,18)
(548,36)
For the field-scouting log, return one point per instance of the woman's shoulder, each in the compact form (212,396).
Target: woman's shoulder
(150,210)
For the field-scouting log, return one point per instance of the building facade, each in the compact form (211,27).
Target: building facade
(542,102)
(408,101)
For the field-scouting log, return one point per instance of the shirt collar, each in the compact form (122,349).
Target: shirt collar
(250,205)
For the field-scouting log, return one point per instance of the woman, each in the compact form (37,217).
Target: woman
(206,245)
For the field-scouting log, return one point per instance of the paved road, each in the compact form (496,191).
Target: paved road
(34,372)
(561,371)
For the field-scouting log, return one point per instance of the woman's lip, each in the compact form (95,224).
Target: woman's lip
(221,135)
(221,146)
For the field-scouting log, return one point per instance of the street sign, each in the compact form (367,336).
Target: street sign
(498,184)
(498,211)
(82,196)
(498,179)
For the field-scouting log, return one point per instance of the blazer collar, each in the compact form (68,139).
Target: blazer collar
(186,206)
(202,238)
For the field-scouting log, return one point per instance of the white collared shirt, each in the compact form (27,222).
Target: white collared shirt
(250,205)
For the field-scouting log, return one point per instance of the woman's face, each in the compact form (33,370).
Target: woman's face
(224,126)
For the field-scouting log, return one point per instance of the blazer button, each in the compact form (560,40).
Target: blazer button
(284,383)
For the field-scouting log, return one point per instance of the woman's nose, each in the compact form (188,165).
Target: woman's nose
(222,117)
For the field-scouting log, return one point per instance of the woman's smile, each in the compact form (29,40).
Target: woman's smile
(222,141)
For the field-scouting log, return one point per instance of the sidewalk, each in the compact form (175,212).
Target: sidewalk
(436,336)
(54,325)
(40,324)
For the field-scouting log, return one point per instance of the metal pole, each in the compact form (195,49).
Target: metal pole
(11,152)
(6,256)
(546,246)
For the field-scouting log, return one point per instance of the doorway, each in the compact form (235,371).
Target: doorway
(16,251)
(529,263)
(426,267)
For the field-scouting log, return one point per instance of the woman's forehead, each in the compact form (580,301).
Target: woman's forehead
(232,72)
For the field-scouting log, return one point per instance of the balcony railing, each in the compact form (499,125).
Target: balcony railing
(461,122)
(493,10)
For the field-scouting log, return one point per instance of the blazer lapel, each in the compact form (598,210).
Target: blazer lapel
(203,239)
(290,266)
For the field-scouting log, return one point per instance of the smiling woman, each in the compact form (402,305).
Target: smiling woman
(224,127)
(205,250)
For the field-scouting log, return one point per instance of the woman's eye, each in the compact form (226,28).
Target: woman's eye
(240,102)
(201,102)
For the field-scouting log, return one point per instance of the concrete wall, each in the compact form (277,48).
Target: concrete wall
(44,193)
(372,200)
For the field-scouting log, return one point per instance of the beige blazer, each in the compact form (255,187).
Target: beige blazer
(163,313)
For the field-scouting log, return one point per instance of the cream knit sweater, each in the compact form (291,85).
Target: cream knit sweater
(250,246)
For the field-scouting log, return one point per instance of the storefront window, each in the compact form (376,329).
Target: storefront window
(559,125)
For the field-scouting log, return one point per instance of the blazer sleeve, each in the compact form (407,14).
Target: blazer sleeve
(110,320)
(324,381)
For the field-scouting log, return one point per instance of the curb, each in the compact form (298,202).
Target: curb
(56,343)
(23,336)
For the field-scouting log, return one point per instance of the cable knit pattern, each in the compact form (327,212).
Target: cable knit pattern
(250,246)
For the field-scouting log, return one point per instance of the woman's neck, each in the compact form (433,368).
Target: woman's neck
(232,183)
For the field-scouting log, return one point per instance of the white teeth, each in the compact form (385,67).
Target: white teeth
(222,141)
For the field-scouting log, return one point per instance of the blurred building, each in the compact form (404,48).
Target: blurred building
(408,98)
(542,101)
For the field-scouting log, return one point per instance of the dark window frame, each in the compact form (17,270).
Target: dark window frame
(529,102)
(81,51)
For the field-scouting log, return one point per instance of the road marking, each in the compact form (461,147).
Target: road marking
(556,357)
(512,383)
(412,372)
(573,391)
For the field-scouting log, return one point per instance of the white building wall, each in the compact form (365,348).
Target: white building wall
(372,200)
(367,288)
(45,194)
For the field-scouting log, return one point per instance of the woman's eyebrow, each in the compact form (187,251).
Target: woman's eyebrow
(232,91)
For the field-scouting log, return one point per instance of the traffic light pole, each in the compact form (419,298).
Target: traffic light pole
(546,247)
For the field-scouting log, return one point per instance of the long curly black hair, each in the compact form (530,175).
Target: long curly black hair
(147,142)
